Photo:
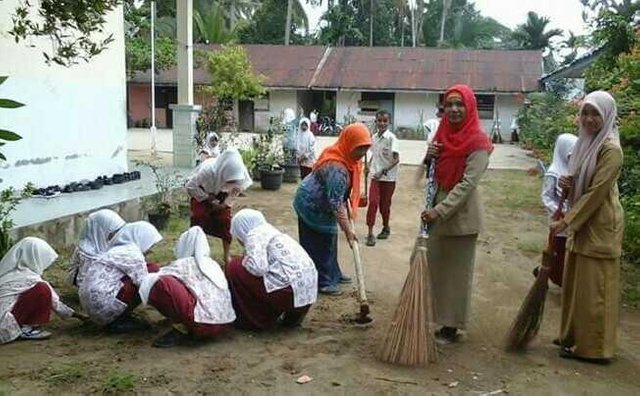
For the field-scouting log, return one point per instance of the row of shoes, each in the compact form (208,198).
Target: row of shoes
(85,185)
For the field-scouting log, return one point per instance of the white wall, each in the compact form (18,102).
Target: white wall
(408,106)
(347,103)
(74,123)
(508,107)
(278,101)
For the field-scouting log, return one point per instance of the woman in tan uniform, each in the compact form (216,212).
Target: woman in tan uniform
(591,291)
(461,150)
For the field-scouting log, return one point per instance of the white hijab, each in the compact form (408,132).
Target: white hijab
(26,261)
(226,168)
(585,153)
(140,233)
(245,221)
(561,155)
(193,243)
(214,151)
(97,228)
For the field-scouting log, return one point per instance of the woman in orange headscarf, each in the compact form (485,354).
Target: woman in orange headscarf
(461,150)
(321,200)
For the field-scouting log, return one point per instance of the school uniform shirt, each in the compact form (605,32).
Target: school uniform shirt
(382,155)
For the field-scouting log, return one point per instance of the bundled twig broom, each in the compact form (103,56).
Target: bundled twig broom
(409,339)
(527,324)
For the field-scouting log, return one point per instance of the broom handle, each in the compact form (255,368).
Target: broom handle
(357,262)
(557,215)
(430,194)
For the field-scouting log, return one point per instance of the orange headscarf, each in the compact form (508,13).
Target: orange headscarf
(353,136)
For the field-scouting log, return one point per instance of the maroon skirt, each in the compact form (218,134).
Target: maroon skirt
(255,308)
(557,266)
(213,223)
(33,307)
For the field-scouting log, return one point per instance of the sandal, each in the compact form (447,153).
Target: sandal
(330,290)
(173,338)
(371,240)
(568,353)
(30,333)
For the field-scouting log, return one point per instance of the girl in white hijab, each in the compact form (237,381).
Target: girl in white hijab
(99,228)
(305,147)
(109,290)
(213,187)
(191,291)
(275,278)
(590,289)
(211,147)
(26,300)
(552,199)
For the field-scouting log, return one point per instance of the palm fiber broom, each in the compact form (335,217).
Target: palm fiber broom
(526,325)
(409,340)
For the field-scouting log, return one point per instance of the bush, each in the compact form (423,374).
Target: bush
(546,117)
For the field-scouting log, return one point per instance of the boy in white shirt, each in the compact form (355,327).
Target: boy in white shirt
(383,170)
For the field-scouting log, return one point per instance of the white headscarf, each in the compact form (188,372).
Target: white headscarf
(27,260)
(214,151)
(193,243)
(97,228)
(585,153)
(228,167)
(561,154)
(140,233)
(244,222)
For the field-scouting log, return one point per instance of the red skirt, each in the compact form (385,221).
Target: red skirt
(557,267)
(128,293)
(213,223)
(175,301)
(255,308)
(33,307)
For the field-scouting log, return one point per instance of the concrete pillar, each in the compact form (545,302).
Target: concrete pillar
(184,130)
(184,113)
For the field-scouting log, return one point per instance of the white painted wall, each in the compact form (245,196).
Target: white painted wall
(347,103)
(74,123)
(508,107)
(278,101)
(408,106)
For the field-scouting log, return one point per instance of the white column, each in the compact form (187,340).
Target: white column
(184,113)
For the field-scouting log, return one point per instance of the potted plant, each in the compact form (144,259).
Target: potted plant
(269,159)
(162,204)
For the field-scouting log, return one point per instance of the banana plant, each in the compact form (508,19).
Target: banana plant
(5,135)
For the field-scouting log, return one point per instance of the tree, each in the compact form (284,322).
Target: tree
(533,34)
(463,26)
(7,136)
(75,28)
(266,24)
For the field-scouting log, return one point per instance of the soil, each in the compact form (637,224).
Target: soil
(338,356)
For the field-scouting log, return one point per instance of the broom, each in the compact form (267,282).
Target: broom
(409,339)
(527,323)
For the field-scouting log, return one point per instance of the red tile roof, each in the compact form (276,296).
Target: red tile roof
(382,68)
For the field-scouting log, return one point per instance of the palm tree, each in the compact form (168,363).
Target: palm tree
(533,34)
(295,11)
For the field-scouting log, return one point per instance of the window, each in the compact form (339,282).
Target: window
(261,103)
(373,101)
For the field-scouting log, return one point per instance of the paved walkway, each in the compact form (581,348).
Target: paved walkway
(505,156)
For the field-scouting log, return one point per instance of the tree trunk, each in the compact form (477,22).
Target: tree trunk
(370,23)
(288,23)
(445,11)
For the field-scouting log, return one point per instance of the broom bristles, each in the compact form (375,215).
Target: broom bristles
(409,339)
(527,324)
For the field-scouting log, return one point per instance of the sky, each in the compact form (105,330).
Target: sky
(564,14)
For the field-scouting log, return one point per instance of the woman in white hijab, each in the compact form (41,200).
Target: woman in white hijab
(594,221)
(305,147)
(26,300)
(211,147)
(213,187)
(109,291)
(99,228)
(275,280)
(191,291)
(552,198)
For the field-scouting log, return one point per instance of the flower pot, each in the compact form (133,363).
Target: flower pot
(271,179)
(291,173)
(159,220)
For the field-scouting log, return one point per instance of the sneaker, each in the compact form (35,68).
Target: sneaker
(371,241)
(173,338)
(345,280)
(127,324)
(330,290)
(33,333)
(384,234)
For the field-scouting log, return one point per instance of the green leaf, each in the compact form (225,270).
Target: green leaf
(3,79)
(2,157)
(9,104)
(9,136)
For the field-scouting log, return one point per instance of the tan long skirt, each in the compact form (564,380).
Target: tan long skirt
(451,260)
(590,305)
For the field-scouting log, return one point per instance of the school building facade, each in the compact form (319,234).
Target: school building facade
(354,82)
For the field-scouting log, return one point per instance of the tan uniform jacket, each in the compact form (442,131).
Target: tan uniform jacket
(460,210)
(596,220)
